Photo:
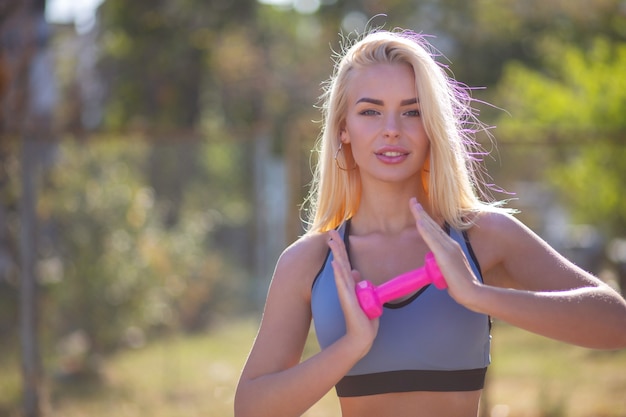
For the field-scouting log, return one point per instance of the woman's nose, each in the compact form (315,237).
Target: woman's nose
(392,127)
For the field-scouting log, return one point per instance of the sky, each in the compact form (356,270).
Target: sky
(81,12)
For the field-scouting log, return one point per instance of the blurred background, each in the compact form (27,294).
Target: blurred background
(154,157)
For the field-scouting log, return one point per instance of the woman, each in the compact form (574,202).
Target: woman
(396,179)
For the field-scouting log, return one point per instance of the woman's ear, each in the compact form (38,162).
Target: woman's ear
(344,136)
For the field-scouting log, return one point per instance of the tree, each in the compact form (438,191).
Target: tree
(575,107)
(28,100)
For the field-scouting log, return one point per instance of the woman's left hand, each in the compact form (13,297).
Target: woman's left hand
(449,255)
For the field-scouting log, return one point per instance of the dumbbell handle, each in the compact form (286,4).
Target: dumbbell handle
(372,298)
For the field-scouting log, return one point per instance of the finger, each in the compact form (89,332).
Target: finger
(430,230)
(345,283)
(420,215)
(341,263)
(338,249)
(346,278)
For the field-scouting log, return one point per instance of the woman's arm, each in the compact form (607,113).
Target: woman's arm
(528,284)
(274,382)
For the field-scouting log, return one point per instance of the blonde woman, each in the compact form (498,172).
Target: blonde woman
(397,178)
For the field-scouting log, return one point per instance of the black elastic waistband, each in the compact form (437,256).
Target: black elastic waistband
(408,381)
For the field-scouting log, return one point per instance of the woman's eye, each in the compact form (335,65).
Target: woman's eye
(368,113)
(413,113)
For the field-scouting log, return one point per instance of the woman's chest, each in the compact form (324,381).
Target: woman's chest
(379,259)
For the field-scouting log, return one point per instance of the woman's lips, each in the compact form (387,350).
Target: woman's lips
(392,156)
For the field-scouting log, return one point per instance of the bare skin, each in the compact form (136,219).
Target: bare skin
(526,283)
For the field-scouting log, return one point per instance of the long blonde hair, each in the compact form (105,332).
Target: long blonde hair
(452,178)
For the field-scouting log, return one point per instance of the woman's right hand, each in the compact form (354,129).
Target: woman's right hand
(359,327)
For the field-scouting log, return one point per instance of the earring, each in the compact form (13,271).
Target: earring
(340,149)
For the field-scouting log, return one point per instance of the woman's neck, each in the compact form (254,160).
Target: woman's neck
(386,210)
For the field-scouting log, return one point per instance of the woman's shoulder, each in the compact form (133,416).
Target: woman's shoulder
(304,257)
(497,236)
(311,245)
(492,219)
(489,232)
(497,225)
(498,230)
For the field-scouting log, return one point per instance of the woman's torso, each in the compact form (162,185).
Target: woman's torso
(440,344)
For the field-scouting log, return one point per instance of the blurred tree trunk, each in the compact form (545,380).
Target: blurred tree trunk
(28,100)
(270,195)
(31,366)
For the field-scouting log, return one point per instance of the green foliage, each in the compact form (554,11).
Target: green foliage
(480,37)
(577,105)
(115,265)
(592,182)
(155,56)
(578,93)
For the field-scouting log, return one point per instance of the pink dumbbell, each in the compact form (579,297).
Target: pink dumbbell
(372,298)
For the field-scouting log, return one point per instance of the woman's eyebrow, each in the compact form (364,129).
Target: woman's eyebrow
(370,100)
(378,102)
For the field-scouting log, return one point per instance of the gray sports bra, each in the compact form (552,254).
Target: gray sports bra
(428,342)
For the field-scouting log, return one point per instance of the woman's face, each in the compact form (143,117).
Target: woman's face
(383,123)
